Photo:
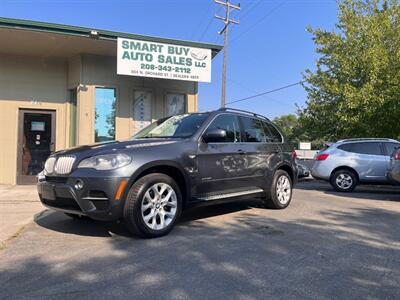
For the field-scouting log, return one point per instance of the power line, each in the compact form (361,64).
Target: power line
(253,91)
(258,21)
(249,9)
(267,92)
(202,20)
(208,25)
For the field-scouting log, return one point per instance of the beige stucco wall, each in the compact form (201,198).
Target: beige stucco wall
(43,83)
(30,83)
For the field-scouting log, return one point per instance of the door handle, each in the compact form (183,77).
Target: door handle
(241,152)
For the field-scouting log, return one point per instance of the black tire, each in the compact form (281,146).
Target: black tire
(133,216)
(344,181)
(272,199)
(77,217)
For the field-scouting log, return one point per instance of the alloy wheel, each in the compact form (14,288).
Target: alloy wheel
(344,181)
(283,189)
(159,206)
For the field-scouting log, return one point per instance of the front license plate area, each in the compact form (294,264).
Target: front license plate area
(48,192)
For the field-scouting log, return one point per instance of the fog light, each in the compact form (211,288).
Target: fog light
(78,184)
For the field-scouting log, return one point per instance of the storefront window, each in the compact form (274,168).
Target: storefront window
(175,104)
(105,114)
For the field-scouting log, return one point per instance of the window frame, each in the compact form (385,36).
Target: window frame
(212,120)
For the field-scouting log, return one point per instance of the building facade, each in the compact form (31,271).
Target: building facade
(59,88)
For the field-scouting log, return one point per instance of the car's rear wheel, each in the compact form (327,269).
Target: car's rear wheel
(153,206)
(344,180)
(280,194)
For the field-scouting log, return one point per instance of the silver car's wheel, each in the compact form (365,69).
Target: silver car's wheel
(283,189)
(159,206)
(344,181)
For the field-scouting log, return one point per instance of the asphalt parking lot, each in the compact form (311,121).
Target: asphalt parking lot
(325,245)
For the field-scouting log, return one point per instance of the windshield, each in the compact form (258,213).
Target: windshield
(179,126)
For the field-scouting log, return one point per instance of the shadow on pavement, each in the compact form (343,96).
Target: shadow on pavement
(365,192)
(59,222)
(345,254)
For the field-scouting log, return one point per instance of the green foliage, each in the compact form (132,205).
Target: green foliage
(289,125)
(355,89)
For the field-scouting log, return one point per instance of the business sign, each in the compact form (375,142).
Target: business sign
(158,60)
(304,146)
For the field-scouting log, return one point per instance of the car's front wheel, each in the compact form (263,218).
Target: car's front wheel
(344,180)
(153,206)
(280,193)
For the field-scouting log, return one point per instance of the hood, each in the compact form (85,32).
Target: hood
(116,145)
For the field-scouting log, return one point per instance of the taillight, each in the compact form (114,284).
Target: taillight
(294,154)
(322,156)
(396,156)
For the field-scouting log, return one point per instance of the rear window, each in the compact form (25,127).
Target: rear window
(253,130)
(273,135)
(390,147)
(370,148)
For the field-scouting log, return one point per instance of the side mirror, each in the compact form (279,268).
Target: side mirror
(214,136)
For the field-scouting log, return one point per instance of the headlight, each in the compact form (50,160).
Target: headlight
(106,162)
(49,165)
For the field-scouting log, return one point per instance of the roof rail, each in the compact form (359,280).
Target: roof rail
(244,111)
(366,139)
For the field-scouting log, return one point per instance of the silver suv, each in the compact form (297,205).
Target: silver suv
(349,162)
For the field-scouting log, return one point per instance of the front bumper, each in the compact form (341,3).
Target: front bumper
(96,199)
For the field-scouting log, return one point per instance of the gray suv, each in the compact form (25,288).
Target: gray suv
(349,162)
(171,164)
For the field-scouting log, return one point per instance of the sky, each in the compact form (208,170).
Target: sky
(270,48)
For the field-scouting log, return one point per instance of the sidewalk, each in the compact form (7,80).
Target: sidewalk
(18,205)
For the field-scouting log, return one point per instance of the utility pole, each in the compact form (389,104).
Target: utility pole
(227,22)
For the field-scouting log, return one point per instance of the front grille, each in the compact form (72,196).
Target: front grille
(56,179)
(64,164)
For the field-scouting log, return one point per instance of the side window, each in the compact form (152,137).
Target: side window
(390,147)
(230,124)
(273,135)
(345,147)
(253,130)
(371,148)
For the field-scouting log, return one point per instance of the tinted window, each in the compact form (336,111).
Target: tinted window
(345,147)
(371,148)
(390,147)
(230,124)
(253,130)
(273,135)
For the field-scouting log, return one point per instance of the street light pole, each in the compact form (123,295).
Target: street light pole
(227,22)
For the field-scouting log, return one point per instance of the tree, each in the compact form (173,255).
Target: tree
(289,124)
(355,89)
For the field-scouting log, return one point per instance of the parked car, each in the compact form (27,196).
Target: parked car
(394,168)
(171,164)
(350,162)
(302,171)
